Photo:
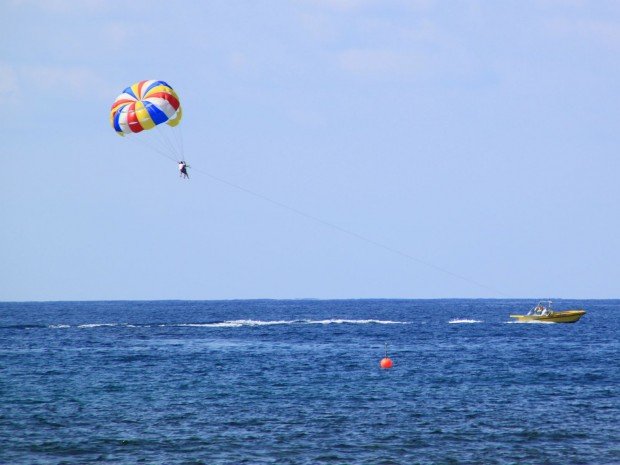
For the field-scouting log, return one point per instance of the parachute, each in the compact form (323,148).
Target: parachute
(153,107)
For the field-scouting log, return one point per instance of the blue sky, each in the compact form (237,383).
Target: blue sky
(480,137)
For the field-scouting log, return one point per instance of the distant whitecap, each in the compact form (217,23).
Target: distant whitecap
(96,325)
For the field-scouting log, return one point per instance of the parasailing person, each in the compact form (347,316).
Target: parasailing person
(183,169)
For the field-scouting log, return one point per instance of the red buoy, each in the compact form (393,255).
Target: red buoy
(386,362)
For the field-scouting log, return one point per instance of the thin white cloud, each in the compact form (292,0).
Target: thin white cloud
(117,35)
(320,26)
(563,3)
(376,62)
(604,32)
(10,91)
(238,61)
(421,50)
(76,81)
(340,5)
(64,6)
(47,93)
(34,82)
(403,45)
(356,5)
(9,86)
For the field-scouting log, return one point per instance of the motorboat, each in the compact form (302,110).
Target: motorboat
(543,312)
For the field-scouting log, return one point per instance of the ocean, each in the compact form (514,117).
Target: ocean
(298,382)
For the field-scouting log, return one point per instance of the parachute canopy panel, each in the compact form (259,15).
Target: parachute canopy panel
(143,106)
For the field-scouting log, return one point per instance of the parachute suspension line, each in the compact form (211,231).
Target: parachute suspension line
(144,143)
(181,141)
(163,137)
(351,233)
(178,136)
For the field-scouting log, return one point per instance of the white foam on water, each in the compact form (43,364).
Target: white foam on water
(463,321)
(234,323)
(97,325)
(225,324)
(241,323)
(262,323)
(355,322)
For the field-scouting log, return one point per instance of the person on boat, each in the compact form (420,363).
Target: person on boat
(183,169)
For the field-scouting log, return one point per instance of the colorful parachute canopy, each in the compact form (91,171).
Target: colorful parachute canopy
(144,105)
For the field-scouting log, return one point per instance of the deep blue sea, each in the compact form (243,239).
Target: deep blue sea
(298,382)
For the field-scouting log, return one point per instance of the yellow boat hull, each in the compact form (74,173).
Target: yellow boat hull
(566,316)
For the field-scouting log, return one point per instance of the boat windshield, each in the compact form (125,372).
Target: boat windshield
(543,308)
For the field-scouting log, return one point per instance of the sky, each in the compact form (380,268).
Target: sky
(475,142)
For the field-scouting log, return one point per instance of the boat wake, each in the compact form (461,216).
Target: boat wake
(464,321)
(90,325)
(233,324)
